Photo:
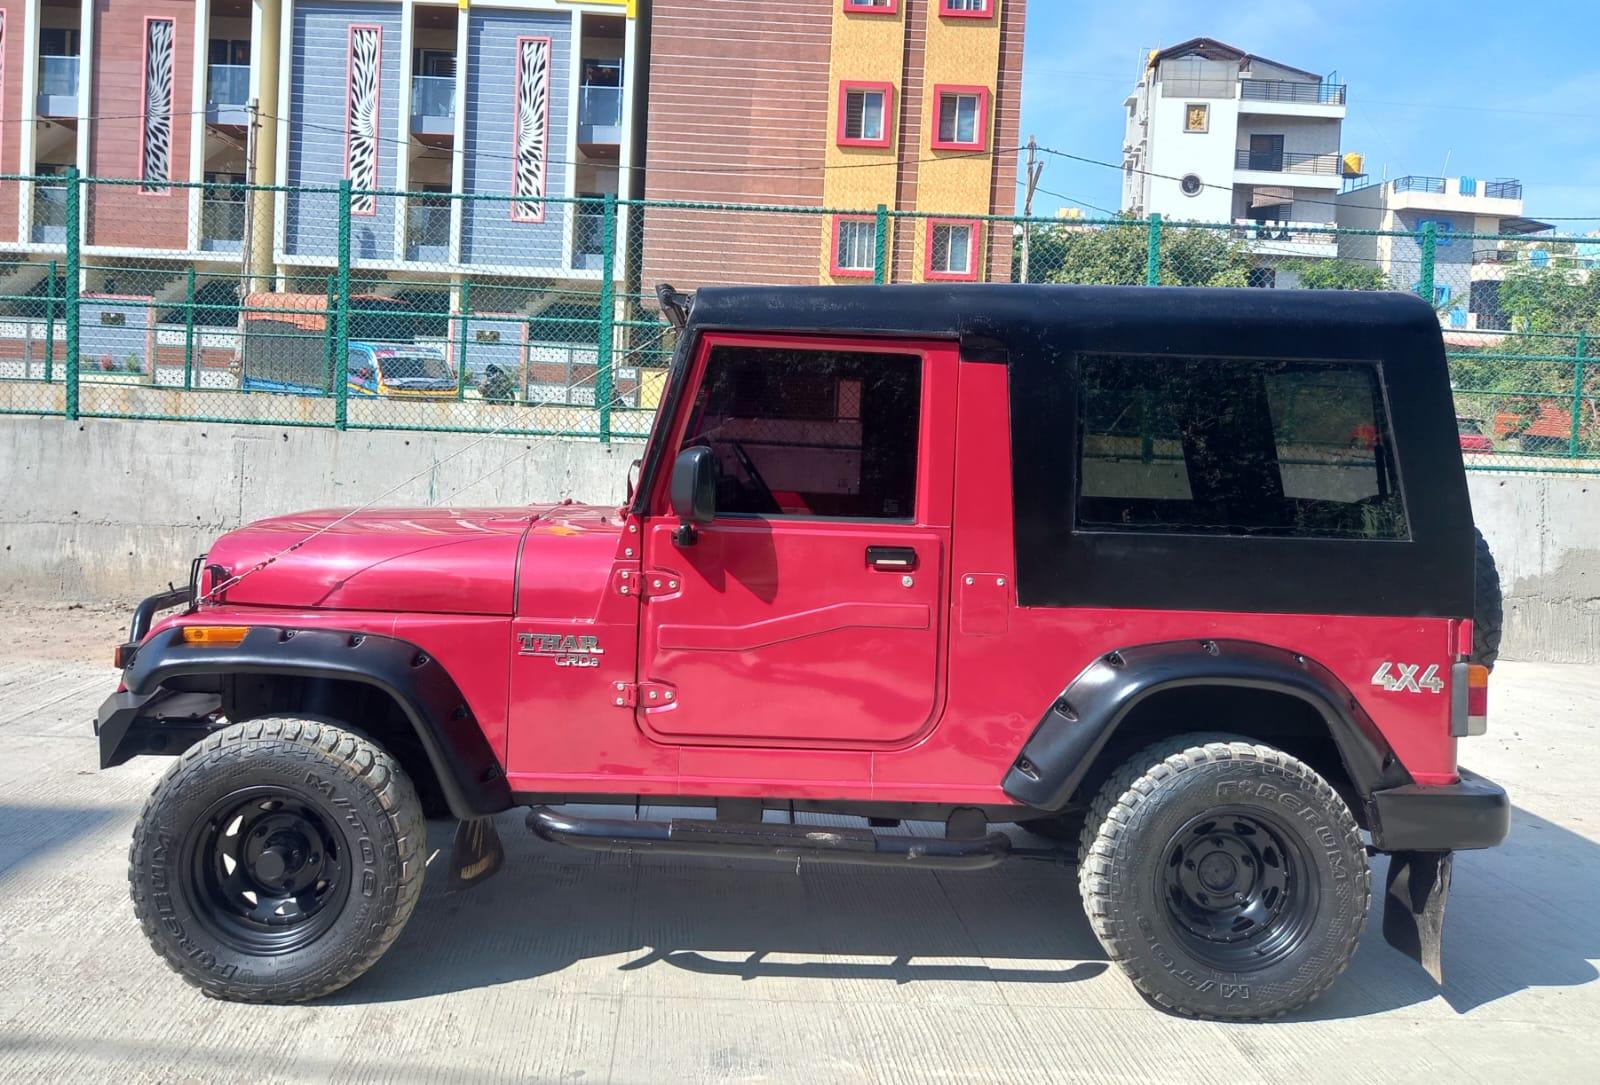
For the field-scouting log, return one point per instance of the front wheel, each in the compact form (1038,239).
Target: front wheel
(277,859)
(1227,879)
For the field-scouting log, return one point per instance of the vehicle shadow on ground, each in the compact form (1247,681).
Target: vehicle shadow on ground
(1518,918)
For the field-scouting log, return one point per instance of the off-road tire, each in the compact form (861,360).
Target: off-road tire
(1146,802)
(369,802)
(1488,611)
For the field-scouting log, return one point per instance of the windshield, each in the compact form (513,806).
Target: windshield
(411,366)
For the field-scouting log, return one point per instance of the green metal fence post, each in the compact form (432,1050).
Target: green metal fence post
(188,333)
(608,317)
(1152,252)
(341,345)
(1577,392)
(71,298)
(50,327)
(880,246)
(461,351)
(1430,241)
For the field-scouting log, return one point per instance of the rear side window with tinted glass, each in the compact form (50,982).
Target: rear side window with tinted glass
(1235,446)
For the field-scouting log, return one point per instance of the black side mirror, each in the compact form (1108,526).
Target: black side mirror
(694,491)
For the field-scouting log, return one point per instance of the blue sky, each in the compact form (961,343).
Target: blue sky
(1502,89)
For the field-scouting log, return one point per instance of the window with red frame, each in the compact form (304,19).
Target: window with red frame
(963,119)
(967,9)
(864,114)
(953,250)
(873,7)
(855,247)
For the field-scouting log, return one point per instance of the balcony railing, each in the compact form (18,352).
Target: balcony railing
(227,86)
(49,214)
(1494,256)
(222,225)
(1282,237)
(428,230)
(1284,90)
(1435,185)
(1287,162)
(1503,190)
(58,86)
(600,105)
(433,104)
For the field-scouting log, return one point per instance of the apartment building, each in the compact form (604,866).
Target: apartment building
(1215,134)
(525,102)
(846,105)
(1467,272)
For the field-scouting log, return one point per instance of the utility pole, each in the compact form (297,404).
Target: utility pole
(1034,169)
(247,242)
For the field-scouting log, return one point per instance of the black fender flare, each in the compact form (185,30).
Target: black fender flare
(470,775)
(1085,716)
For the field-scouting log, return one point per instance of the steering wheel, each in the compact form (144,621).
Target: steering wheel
(763,492)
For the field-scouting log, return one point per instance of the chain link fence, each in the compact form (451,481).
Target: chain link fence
(495,314)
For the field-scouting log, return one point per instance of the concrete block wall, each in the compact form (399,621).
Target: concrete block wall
(99,510)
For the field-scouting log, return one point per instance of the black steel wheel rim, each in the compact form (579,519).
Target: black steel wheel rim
(269,870)
(1240,888)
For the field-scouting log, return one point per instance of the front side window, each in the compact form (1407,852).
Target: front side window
(855,246)
(962,122)
(864,110)
(978,9)
(811,433)
(952,250)
(873,7)
(1231,446)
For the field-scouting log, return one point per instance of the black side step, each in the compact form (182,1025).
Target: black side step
(754,840)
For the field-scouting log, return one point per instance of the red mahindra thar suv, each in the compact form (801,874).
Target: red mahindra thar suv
(1185,578)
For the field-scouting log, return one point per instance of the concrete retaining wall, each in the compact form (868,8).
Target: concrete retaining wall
(1545,534)
(97,510)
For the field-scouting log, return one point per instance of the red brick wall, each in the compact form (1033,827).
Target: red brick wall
(737,92)
(122,214)
(1008,119)
(11,111)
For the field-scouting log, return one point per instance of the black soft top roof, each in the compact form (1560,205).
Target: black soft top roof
(1019,319)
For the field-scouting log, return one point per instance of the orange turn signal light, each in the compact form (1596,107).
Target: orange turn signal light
(215,636)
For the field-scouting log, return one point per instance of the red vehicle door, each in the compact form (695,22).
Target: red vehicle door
(810,611)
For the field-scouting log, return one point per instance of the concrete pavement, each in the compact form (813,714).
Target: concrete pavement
(576,967)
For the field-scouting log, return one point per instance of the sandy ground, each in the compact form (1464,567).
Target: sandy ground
(575,967)
(65,632)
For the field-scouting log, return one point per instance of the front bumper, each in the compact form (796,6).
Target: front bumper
(1474,813)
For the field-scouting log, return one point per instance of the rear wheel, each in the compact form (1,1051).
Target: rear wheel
(1488,610)
(1227,879)
(277,859)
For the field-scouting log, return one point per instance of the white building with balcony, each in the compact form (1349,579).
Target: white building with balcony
(1218,135)
(1468,270)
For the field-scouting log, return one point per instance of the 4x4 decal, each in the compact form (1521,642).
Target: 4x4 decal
(1403,678)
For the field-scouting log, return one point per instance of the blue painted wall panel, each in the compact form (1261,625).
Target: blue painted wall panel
(489,236)
(319,69)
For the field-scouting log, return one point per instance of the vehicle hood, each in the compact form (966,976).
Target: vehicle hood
(401,560)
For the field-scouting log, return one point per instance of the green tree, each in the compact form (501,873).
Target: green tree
(1117,255)
(1337,275)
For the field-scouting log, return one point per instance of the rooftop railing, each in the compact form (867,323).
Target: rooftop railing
(1284,90)
(1287,161)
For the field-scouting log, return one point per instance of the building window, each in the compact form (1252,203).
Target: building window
(855,246)
(1197,117)
(967,9)
(811,433)
(155,156)
(952,250)
(1235,446)
(865,111)
(963,118)
(872,7)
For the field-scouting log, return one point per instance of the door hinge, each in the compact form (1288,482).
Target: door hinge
(640,584)
(648,694)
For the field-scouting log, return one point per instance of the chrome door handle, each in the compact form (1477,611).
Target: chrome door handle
(895,558)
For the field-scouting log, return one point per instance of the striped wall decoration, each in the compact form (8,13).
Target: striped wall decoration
(155,156)
(531,138)
(361,147)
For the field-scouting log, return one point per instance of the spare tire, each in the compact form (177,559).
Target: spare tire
(1488,609)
